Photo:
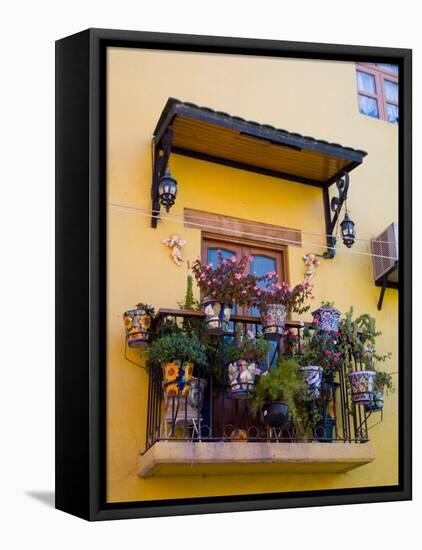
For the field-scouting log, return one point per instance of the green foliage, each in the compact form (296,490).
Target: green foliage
(285,383)
(384,380)
(251,349)
(178,347)
(190,324)
(358,338)
(325,303)
(189,302)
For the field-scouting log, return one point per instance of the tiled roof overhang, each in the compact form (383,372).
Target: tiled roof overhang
(202,133)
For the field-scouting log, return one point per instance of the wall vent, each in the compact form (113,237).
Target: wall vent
(385,259)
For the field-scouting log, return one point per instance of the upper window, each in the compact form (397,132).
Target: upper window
(378,90)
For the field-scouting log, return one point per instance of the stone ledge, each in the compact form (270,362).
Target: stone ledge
(180,458)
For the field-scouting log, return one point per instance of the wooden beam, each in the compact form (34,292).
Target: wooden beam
(245,229)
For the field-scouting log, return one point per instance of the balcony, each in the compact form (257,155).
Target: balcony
(213,432)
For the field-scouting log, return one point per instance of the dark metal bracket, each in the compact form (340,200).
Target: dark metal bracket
(335,206)
(384,283)
(381,298)
(161,154)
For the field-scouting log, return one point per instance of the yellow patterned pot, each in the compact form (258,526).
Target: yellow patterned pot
(137,324)
(177,377)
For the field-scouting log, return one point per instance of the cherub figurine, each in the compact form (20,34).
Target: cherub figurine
(311,262)
(176,244)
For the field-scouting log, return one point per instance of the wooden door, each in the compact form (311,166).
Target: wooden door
(232,415)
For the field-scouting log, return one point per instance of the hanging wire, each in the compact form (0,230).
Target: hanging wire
(251,224)
(148,214)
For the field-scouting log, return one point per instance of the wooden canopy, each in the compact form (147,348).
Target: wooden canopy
(214,136)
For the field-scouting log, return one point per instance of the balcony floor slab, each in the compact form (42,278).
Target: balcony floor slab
(181,458)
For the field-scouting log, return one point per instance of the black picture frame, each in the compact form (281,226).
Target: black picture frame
(81,272)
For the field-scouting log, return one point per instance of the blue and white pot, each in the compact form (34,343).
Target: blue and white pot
(328,318)
(377,402)
(242,377)
(313,379)
(217,315)
(197,393)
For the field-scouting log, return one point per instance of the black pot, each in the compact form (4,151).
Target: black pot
(275,414)
(323,431)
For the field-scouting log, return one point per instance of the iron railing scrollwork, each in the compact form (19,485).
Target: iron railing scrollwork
(209,412)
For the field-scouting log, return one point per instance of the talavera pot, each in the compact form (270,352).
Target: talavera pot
(217,315)
(177,377)
(323,431)
(196,393)
(273,319)
(242,377)
(137,324)
(377,402)
(328,318)
(275,414)
(313,379)
(362,384)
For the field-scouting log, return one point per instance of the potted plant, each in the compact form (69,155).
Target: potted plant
(327,317)
(278,393)
(138,323)
(358,339)
(177,354)
(222,286)
(243,364)
(276,300)
(321,359)
(383,384)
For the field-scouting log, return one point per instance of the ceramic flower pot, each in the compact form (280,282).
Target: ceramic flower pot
(242,377)
(362,385)
(137,324)
(273,319)
(217,315)
(377,402)
(324,429)
(177,377)
(313,379)
(328,318)
(275,414)
(197,393)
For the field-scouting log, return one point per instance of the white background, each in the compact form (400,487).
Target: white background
(28,32)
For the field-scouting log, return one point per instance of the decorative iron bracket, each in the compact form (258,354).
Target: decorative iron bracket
(335,206)
(160,157)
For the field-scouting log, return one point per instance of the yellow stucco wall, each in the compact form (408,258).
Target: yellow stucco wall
(310,97)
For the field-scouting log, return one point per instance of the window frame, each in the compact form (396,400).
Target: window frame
(380,76)
(246,247)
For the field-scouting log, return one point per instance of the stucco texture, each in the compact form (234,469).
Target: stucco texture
(313,98)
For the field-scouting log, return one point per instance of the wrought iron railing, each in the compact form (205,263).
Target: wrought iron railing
(209,412)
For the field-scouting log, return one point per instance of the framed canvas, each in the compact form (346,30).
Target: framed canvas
(233,322)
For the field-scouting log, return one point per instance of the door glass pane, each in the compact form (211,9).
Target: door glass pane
(212,255)
(212,258)
(261,265)
(389,67)
(366,82)
(392,113)
(368,106)
(391,90)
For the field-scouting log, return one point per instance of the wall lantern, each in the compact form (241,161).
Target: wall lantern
(167,190)
(348,231)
